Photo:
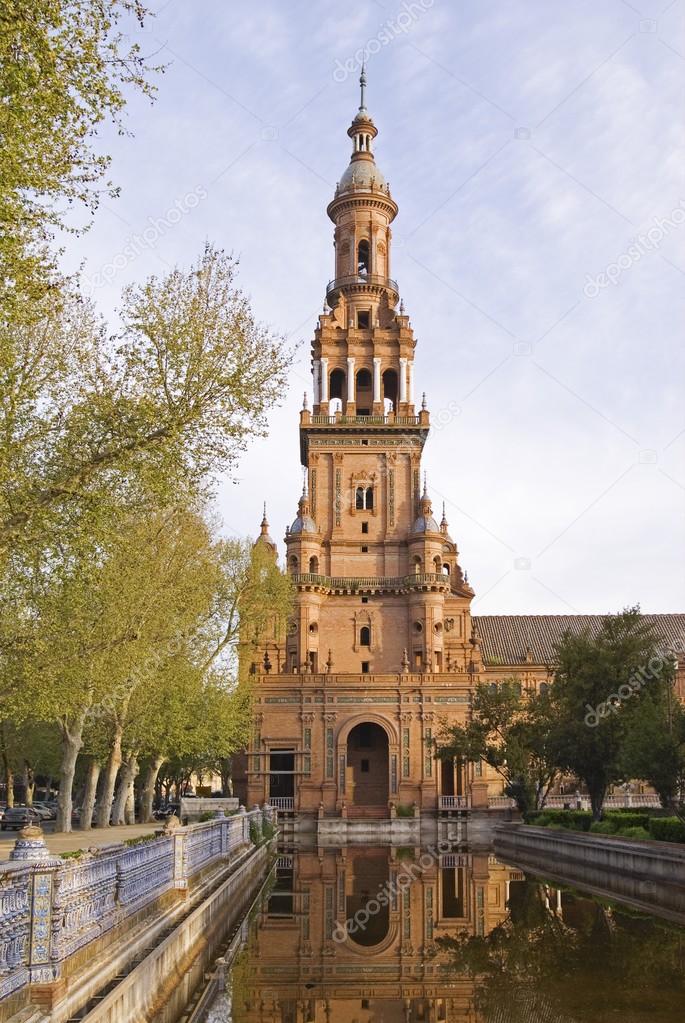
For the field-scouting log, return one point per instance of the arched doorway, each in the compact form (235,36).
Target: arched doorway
(367,765)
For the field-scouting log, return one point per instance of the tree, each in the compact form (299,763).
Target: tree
(90,423)
(510,731)
(654,744)
(596,677)
(65,67)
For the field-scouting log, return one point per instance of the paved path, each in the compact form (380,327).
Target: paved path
(58,843)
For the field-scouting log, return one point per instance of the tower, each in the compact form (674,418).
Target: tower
(380,643)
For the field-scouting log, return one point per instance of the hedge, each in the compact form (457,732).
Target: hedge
(667,829)
(578,820)
(627,820)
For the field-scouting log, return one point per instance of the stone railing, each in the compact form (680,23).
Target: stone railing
(453,802)
(352,584)
(52,907)
(572,801)
(342,419)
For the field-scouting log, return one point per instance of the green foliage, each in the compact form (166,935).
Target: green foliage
(577,820)
(667,829)
(634,832)
(596,693)
(633,819)
(603,828)
(404,810)
(268,830)
(204,817)
(510,732)
(141,839)
(255,832)
(65,68)
(654,744)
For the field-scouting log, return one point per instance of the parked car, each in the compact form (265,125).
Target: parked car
(17,817)
(49,809)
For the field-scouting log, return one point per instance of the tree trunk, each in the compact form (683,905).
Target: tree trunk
(127,775)
(7,770)
(9,785)
(227,777)
(130,808)
(29,782)
(597,801)
(104,809)
(148,794)
(89,795)
(72,740)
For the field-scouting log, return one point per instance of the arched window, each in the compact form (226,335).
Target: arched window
(363,499)
(390,387)
(418,564)
(544,688)
(314,565)
(437,563)
(445,568)
(364,392)
(337,382)
(292,563)
(363,259)
(365,636)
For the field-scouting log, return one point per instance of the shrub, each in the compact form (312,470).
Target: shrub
(404,810)
(603,828)
(576,820)
(268,830)
(255,833)
(627,820)
(634,832)
(667,829)
(207,816)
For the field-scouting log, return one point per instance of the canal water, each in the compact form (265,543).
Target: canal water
(398,935)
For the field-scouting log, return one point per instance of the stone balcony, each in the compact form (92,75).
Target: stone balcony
(435,582)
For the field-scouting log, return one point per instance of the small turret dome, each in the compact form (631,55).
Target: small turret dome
(425,523)
(304,523)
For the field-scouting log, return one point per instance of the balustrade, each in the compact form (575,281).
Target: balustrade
(51,907)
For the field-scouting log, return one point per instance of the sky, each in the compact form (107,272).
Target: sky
(535,150)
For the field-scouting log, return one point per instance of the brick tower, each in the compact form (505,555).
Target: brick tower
(380,648)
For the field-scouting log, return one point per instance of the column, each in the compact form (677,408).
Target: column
(403,380)
(376,380)
(315,375)
(324,380)
(410,382)
(350,378)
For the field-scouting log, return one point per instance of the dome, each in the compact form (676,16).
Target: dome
(425,524)
(361,174)
(303,524)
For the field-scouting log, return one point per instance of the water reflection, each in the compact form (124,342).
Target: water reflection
(380,935)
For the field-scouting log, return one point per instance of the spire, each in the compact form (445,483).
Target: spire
(362,89)
(264,535)
(443,521)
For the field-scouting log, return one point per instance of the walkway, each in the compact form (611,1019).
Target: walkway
(61,842)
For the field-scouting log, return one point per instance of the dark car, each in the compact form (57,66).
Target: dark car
(17,817)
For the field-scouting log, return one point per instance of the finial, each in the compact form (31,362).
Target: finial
(362,87)
(424,406)
(264,522)
(304,483)
(402,307)
(305,403)
(425,483)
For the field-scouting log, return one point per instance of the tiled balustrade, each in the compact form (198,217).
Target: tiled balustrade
(51,907)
